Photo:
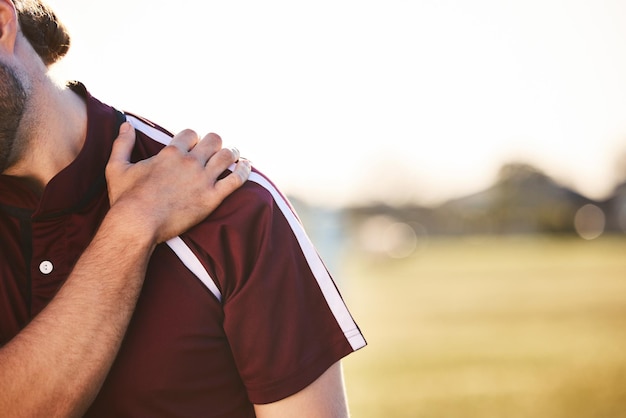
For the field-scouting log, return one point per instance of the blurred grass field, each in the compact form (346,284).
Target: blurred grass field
(499,327)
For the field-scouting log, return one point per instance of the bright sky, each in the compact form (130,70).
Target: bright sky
(346,100)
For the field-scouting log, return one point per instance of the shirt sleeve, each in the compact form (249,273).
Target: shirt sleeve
(284,318)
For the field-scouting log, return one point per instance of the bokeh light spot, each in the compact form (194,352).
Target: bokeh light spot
(383,235)
(589,222)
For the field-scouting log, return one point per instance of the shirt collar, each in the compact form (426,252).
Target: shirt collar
(72,186)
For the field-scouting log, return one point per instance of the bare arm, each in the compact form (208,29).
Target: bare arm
(56,365)
(324,398)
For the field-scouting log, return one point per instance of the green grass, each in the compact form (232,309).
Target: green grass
(498,327)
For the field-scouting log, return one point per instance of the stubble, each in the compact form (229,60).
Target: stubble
(13,99)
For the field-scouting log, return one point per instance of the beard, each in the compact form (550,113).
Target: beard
(13,99)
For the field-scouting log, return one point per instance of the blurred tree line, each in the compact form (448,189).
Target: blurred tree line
(523,200)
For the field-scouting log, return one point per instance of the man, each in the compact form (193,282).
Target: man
(118,295)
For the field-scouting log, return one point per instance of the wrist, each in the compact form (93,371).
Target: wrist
(127,222)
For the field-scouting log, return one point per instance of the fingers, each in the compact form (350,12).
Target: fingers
(207,147)
(218,160)
(181,184)
(214,159)
(123,145)
(236,179)
(185,140)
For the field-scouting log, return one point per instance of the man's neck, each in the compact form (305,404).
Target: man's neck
(54,130)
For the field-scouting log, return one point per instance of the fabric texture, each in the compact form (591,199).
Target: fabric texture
(271,325)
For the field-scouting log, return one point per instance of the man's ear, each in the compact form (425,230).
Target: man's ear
(8,26)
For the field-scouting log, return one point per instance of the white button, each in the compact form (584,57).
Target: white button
(46,267)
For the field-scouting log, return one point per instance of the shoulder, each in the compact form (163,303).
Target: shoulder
(256,206)
(260,189)
(150,138)
(149,129)
(258,194)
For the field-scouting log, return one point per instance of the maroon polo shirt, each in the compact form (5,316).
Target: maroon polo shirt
(276,324)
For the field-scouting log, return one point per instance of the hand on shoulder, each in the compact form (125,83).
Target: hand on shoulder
(177,188)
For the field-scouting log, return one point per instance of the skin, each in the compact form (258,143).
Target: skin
(324,398)
(76,337)
(12,106)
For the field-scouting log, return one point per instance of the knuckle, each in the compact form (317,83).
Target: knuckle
(214,139)
(226,155)
(189,160)
(170,150)
(188,134)
(110,169)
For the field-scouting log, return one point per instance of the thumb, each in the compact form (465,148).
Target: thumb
(123,145)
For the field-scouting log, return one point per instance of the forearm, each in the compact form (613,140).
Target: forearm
(57,364)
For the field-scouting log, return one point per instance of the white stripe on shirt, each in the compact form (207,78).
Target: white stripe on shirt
(326,284)
(177,245)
